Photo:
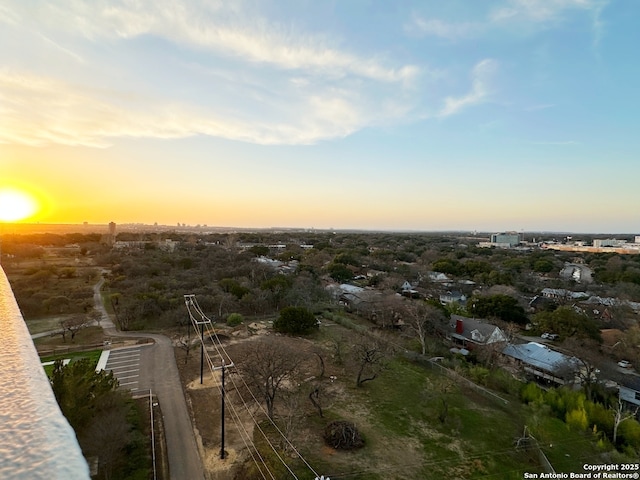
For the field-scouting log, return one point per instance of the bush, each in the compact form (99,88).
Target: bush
(629,434)
(295,320)
(532,393)
(235,319)
(577,419)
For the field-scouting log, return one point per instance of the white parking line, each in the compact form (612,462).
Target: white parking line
(118,373)
(130,362)
(125,358)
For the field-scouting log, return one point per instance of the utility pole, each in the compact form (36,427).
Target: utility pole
(222,369)
(222,415)
(199,323)
(201,350)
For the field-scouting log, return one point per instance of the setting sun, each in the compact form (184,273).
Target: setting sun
(16,205)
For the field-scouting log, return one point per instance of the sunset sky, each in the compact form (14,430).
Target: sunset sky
(414,115)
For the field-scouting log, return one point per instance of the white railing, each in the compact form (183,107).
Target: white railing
(36,441)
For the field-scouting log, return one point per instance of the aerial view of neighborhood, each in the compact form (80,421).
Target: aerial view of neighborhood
(319,240)
(188,352)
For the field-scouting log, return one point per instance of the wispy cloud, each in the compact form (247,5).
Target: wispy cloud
(540,10)
(481,77)
(221,28)
(532,13)
(243,77)
(40,111)
(420,26)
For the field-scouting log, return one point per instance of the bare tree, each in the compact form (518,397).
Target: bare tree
(184,342)
(314,397)
(266,366)
(95,316)
(321,360)
(586,351)
(390,308)
(289,416)
(619,416)
(73,325)
(369,354)
(424,321)
(338,343)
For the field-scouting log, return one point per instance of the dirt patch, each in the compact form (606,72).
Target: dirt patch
(242,411)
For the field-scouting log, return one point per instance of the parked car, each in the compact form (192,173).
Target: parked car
(550,336)
(624,364)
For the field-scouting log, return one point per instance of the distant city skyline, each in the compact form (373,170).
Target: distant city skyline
(504,115)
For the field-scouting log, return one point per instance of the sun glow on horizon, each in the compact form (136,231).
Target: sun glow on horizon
(16,205)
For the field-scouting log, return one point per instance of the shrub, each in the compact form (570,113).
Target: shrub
(577,419)
(235,319)
(532,393)
(295,320)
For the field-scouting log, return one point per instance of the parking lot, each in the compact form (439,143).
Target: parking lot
(125,365)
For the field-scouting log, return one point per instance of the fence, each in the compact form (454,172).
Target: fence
(417,358)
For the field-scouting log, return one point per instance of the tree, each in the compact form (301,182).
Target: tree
(295,320)
(266,365)
(586,351)
(567,322)
(369,354)
(259,250)
(500,306)
(184,342)
(73,325)
(97,411)
(340,272)
(230,285)
(277,286)
(424,321)
(619,416)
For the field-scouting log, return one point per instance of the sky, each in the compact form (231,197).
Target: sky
(350,114)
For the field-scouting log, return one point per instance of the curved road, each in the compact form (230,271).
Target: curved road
(159,372)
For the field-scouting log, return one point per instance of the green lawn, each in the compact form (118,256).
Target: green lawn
(93,355)
(428,426)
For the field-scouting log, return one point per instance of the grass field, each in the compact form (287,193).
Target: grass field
(93,355)
(420,424)
(46,324)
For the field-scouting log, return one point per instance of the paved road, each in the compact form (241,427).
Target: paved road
(158,371)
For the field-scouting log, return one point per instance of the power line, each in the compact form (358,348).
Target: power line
(199,319)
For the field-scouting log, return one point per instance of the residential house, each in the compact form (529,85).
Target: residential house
(408,290)
(438,277)
(630,392)
(543,363)
(453,297)
(562,294)
(471,333)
